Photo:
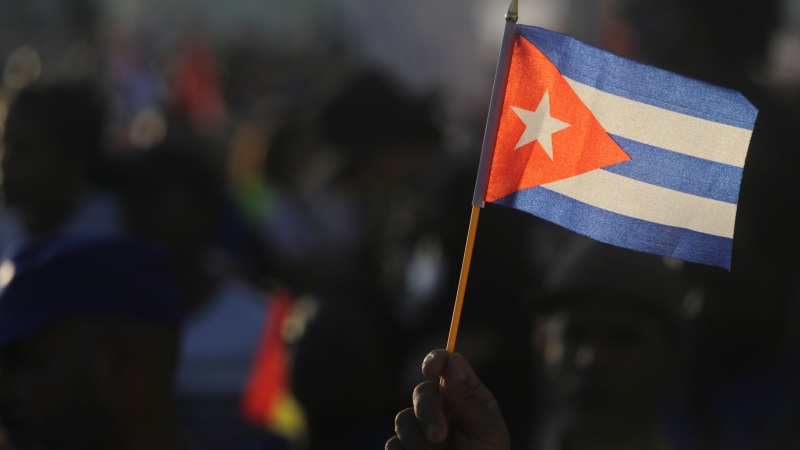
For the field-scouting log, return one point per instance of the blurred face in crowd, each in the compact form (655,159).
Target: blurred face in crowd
(51,391)
(611,364)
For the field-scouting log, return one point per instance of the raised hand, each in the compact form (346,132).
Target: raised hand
(459,414)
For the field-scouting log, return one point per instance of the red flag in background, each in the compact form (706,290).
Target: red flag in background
(267,399)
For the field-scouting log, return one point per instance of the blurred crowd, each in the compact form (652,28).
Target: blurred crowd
(306,208)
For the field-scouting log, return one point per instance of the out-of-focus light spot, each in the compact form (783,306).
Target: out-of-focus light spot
(7,270)
(552,338)
(424,271)
(672,263)
(303,312)
(693,304)
(783,70)
(147,129)
(22,68)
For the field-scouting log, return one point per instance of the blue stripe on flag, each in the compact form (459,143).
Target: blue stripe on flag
(678,172)
(623,231)
(639,82)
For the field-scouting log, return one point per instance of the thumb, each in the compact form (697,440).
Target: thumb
(470,403)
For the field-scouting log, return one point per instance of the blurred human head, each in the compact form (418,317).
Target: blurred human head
(389,141)
(173,196)
(88,337)
(52,141)
(386,137)
(610,334)
(371,117)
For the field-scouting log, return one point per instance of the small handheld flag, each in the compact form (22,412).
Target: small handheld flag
(619,151)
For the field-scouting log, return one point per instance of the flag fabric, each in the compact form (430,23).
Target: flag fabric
(268,400)
(620,151)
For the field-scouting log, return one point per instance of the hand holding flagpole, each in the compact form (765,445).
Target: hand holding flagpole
(489,138)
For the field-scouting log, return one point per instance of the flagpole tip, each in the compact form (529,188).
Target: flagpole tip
(513,10)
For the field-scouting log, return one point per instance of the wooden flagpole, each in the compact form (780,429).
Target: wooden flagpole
(462,280)
(487,152)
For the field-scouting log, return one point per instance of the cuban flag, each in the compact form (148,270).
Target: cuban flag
(619,151)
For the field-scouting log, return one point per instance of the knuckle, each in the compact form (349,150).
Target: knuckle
(423,391)
(393,444)
(403,418)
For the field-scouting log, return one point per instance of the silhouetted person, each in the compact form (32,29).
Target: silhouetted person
(610,342)
(53,154)
(173,197)
(88,340)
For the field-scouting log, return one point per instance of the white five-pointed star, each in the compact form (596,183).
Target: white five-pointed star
(539,125)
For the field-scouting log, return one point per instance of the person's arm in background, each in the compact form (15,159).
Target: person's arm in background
(462,415)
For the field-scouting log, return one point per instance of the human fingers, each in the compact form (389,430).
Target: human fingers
(434,363)
(429,411)
(409,433)
(394,444)
(472,405)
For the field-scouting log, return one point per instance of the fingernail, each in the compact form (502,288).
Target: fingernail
(462,375)
(432,431)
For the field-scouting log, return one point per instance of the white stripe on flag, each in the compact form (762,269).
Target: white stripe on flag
(622,195)
(666,129)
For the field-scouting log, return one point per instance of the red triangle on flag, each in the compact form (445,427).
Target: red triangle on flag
(579,144)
